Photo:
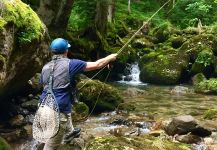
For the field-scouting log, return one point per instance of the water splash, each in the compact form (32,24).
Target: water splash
(133,78)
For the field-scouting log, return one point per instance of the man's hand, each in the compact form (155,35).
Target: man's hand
(112,57)
(101,62)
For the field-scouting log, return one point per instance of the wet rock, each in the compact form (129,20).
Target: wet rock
(31,105)
(156,133)
(184,124)
(189,138)
(109,97)
(131,92)
(180,90)
(4,145)
(181,125)
(121,122)
(128,78)
(17,121)
(29,119)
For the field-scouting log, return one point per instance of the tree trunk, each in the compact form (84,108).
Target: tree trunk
(129,7)
(55,14)
(101,16)
(111,10)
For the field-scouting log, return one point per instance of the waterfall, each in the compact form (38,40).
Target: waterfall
(133,77)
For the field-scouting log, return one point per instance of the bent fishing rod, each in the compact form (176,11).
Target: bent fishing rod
(127,43)
(118,53)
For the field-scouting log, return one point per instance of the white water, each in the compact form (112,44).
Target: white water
(134,73)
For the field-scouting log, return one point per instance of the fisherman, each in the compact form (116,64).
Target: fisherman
(64,74)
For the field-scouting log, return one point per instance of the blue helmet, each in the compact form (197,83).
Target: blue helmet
(59,45)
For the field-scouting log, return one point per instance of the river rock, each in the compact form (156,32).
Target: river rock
(17,121)
(180,90)
(132,92)
(108,99)
(181,125)
(184,124)
(24,46)
(31,105)
(188,138)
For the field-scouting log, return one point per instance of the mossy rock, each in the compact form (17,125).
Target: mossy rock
(80,111)
(4,145)
(198,78)
(198,43)
(23,17)
(163,67)
(134,143)
(177,41)
(142,43)
(210,114)
(207,86)
(107,97)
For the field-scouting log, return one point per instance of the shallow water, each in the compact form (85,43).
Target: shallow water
(169,101)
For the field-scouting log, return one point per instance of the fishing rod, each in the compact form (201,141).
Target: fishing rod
(126,44)
(118,53)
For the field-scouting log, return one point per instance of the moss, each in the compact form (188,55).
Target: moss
(2,61)
(198,78)
(160,68)
(134,143)
(210,114)
(24,18)
(4,145)
(207,86)
(81,110)
(109,97)
(2,23)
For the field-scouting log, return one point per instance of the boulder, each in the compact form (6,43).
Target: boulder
(185,124)
(181,125)
(24,46)
(107,97)
(163,67)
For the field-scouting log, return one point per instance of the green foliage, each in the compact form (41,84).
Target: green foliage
(82,15)
(205,57)
(207,86)
(210,114)
(186,13)
(25,19)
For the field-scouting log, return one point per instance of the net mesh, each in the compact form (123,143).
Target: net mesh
(46,121)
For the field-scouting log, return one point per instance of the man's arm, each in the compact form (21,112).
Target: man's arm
(100,63)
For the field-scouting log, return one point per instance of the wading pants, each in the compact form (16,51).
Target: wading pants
(65,127)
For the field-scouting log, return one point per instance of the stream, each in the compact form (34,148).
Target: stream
(157,102)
